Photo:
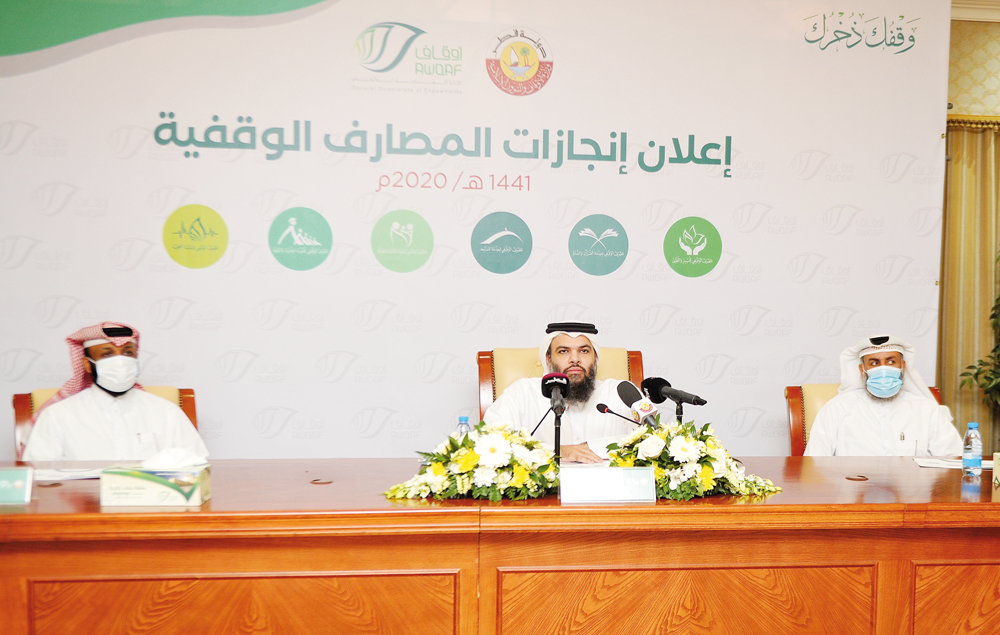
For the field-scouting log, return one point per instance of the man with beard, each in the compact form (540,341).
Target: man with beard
(883,407)
(570,348)
(101,413)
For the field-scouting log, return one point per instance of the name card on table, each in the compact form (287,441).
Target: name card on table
(599,484)
(15,486)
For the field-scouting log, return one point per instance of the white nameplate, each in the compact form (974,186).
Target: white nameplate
(599,484)
(15,486)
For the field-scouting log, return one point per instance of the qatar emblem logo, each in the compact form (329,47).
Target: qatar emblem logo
(519,62)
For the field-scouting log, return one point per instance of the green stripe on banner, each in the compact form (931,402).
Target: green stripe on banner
(33,25)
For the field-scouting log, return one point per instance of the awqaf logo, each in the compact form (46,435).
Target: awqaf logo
(432,366)
(52,198)
(233,366)
(270,203)
(340,256)
(894,167)
(891,268)
(744,421)
(381,47)
(712,367)
(270,314)
(168,312)
(237,256)
(468,316)
(13,135)
(372,314)
(726,260)
(748,217)
(921,321)
(925,221)
(127,255)
(15,363)
(470,209)
(745,320)
(438,262)
(808,163)
(371,421)
(270,422)
(837,219)
(565,211)
(801,367)
(834,320)
(655,319)
(53,310)
(568,312)
(127,141)
(14,251)
(803,267)
(333,366)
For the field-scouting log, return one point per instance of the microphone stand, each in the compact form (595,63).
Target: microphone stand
(558,408)
(679,411)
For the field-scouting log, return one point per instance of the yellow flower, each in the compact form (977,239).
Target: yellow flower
(659,472)
(468,462)
(707,477)
(629,462)
(438,469)
(520,476)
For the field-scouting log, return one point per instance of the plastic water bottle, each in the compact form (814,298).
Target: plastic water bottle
(464,429)
(972,454)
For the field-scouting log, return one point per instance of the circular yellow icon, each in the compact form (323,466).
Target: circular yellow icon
(519,61)
(195,236)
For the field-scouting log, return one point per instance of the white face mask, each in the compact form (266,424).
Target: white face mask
(116,374)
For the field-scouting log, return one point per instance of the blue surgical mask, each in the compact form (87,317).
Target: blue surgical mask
(884,381)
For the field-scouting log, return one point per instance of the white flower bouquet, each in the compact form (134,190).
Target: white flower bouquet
(688,462)
(493,461)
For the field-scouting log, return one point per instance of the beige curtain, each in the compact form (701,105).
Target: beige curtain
(969,281)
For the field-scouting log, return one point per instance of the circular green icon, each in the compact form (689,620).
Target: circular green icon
(598,245)
(195,236)
(402,241)
(300,238)
(692,246)
(501,242)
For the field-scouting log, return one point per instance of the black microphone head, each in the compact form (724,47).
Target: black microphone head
(651,387)
(554,380)
(628,393)
(603,407)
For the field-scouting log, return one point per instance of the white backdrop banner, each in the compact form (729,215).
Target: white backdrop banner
(316,217)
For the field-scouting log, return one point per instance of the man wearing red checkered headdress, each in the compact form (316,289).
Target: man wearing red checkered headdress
(101,413)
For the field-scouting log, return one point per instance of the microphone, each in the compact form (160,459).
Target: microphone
(659,390)
(554,386)
(643,410)
(602,407)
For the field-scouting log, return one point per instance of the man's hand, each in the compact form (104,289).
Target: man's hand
(579,454)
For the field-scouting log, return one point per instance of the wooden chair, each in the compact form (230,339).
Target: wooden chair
(501,367)
(804,403)
(25,405)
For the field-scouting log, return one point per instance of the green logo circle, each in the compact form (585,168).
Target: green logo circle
(501,242)
(692,246)
(300,238)
(402,241)
(598,245)
(195,236)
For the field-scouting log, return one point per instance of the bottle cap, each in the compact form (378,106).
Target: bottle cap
(466,420)
(973,424)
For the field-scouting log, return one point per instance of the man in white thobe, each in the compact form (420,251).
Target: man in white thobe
(883,407)
(102,414)
(570,348)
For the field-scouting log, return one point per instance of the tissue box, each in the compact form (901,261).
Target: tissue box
(138,486)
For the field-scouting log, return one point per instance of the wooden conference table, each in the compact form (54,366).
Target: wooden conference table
(311,546)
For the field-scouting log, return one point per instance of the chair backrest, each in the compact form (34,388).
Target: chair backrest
(25,405)
(804,403)
(501,367)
